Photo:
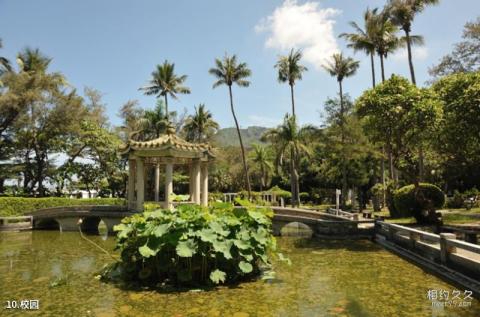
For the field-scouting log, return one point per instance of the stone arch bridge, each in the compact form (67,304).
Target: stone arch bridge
(321,224)
(67,218)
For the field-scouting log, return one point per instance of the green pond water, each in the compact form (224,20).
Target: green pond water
(326,278)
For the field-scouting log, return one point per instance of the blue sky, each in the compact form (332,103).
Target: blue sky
(114,45)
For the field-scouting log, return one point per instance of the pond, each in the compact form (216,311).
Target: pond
(327,278)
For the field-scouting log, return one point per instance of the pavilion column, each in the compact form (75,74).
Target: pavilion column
(190,184)
(204,184)
(196,181)
(157,182)
(140,183)
(131,184)
(168,184)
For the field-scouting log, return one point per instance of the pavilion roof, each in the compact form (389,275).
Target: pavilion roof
(169,145)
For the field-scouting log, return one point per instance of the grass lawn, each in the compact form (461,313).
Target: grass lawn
(450,216)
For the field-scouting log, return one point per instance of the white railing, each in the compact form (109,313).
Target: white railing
(444,246)
(341,213)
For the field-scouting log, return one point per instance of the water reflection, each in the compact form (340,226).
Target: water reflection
(327,278)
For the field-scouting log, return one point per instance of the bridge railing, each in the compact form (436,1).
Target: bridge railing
(342,213)
(441,248)
(16,223)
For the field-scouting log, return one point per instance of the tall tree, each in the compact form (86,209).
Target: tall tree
(363,38)
(402,13)
(4,63)
(228,72)
(200,126)
(290,70)
(166,83)
(465,56)
(384,37)
(261,157)
(290,141)
(342,67)
(154,122)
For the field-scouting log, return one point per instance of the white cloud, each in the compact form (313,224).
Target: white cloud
(418,53)
(269,122)
(306,26)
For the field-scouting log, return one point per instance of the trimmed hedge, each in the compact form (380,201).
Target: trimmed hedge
(407,205)
(18,206)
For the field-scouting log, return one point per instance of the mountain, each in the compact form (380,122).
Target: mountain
(229,137)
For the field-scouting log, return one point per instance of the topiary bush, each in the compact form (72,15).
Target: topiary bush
(193,245)
(418,202)
(18,206)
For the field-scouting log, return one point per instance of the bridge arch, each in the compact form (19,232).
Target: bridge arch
(285,228)
(46,224)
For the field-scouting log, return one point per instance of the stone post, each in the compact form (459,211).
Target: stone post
(157,182)
(131,185)
(414,237)
(445,249)
(196,181)
(204,184)
(168,185)
(140,184)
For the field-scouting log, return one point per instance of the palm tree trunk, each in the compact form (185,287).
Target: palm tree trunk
(384,191)
(382,67)
(293,99)
(297,184)
(410,59)
(166,106)
(245,168)
(342,131)
(372,61)
(293,179)
(412,76)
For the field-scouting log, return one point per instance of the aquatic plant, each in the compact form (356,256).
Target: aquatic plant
(194,245)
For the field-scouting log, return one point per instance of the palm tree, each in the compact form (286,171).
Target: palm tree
(166,83)
(200,125)
(291,140)
(4,63)
(32,60)
(384,37)
(341,67)
(228,71)
(363,39)
(402,13)
(290,70)
(154,122)
(261,157)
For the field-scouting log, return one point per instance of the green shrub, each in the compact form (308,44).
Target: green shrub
(214,197)
(285,194)
(428,197)
(17,206)
(193,245)
(457,201)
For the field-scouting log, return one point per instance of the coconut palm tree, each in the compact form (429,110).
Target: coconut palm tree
(32,60)
(4,63)
(342,67)
(290,70)
(200,126)
(154,122)
(228,72)
(402,13)
(166,83)
(363,38)
(384,37)
(261,157)
(290,141)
